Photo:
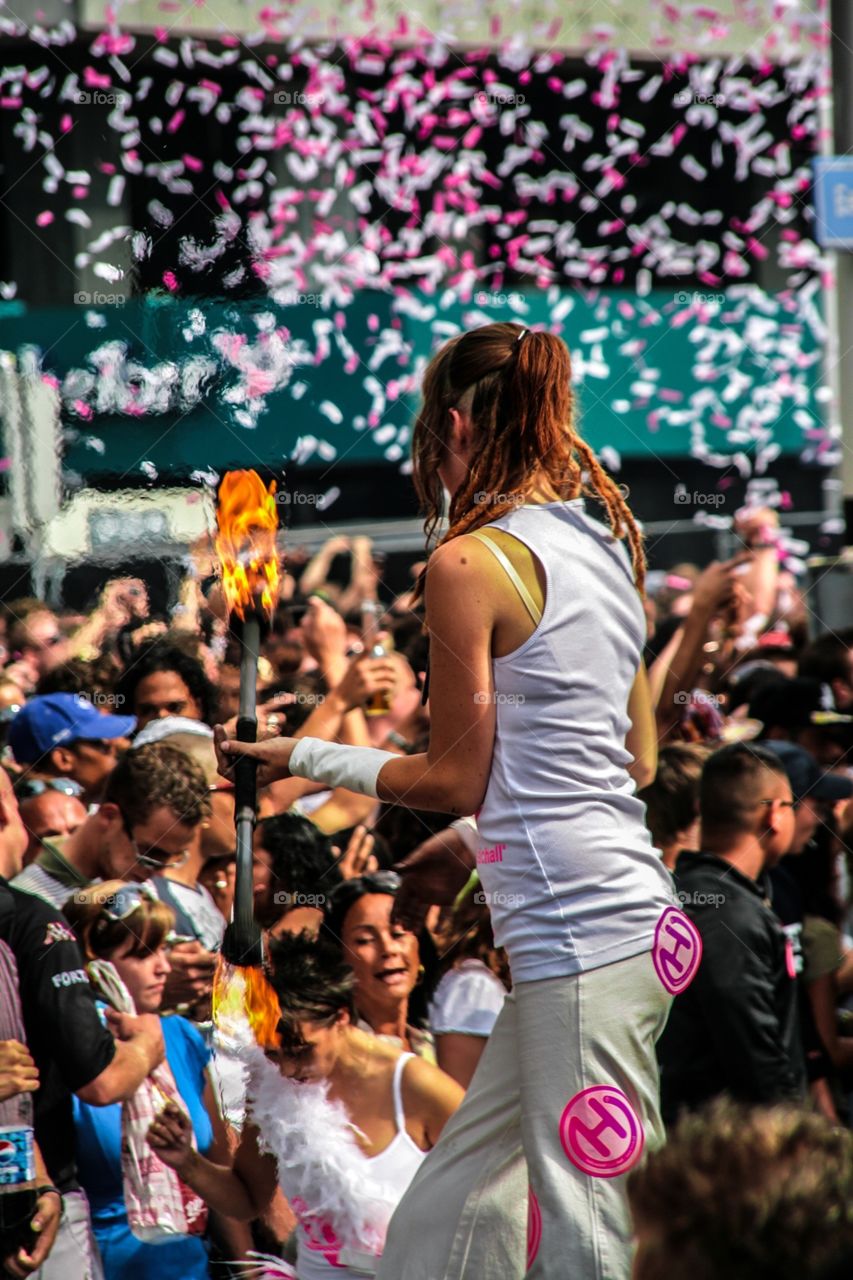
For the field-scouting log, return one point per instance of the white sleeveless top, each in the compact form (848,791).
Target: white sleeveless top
(572,878)
(392,1170)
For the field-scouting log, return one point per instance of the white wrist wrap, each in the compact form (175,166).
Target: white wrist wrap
(355,768)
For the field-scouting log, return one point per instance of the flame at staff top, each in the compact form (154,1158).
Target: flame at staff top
(247,520)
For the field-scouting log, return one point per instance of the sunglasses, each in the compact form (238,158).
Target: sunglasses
(123,903)
(154,859)
(26,788)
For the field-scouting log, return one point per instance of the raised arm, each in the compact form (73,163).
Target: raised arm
(713,589)
(243,1192)
(642,739)
(451,776)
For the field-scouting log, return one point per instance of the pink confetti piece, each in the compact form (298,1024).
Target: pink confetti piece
(95,80)
(112,44)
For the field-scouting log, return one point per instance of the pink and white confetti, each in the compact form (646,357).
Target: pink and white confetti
(315,161)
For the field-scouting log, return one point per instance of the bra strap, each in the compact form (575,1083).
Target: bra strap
(397,1088)
(511,572)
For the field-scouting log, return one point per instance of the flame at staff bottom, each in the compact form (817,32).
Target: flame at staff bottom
(241,992)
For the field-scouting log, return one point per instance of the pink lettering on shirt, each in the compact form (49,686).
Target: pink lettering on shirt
(495,854)
(318,1234)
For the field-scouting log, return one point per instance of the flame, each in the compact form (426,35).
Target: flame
(241,992)
(247,521)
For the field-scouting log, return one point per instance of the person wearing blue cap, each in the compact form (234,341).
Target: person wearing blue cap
(62,735)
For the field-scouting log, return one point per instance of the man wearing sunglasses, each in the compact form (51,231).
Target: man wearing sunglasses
(196,914)
(153,805)
(62,735)
(149,822)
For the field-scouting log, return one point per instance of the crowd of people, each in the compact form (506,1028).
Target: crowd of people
(117,858)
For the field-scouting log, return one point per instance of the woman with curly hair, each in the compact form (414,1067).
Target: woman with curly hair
(165,680)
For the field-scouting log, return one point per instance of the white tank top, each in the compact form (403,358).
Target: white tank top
(568,867)
(392,1170)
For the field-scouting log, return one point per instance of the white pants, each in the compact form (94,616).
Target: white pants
(74,1255)
(565,1097)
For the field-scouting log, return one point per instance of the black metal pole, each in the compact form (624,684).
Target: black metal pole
(243,941)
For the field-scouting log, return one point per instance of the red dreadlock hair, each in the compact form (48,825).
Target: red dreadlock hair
(521,405)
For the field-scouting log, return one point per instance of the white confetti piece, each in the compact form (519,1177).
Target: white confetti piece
(330,411)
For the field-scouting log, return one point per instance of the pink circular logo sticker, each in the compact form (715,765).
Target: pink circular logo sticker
(601,1132)
(677,950)
(534,1227)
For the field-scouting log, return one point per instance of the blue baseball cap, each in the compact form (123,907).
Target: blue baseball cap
(55,719)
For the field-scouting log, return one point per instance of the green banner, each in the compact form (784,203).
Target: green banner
(161,385)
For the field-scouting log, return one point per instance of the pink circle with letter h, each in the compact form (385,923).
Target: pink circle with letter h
(534,1227)
(601,1132)
(677,950)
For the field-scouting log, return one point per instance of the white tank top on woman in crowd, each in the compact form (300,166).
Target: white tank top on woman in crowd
(392,1170)
(570,873)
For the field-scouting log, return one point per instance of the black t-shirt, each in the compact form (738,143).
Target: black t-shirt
(70,1045)
(787,900)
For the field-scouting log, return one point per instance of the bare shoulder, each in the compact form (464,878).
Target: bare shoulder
(430,1098)
(462,568)
(425,1085)
(463,554)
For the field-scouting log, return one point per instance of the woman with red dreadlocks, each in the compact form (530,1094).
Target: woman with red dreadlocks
(541,725)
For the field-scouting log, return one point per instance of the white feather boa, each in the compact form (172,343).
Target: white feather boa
(321,1169)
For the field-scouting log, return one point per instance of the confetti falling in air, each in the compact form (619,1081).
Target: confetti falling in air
(273,219)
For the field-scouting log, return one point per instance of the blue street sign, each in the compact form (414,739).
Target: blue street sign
(834,201)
